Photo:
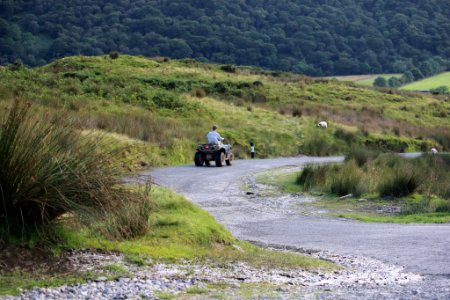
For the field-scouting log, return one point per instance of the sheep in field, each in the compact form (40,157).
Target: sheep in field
(322,124)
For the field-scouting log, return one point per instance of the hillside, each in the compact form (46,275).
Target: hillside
(427,84)
(309,37)
(159,109)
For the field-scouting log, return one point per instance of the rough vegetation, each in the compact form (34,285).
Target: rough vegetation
(420,184)
(310,37)
(169,105)
(47,170)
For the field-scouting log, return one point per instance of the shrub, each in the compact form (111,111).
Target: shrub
(199,93)
(348,180)
(259,98)
(228,68)
(114,55)
(402,179)
(312,176)
(48,169)
(297,112)
(347,136)
(440,90)
(257,83)
(361,156)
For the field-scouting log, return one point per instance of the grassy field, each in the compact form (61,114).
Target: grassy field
(148,112)
(426,84)
(170,105)
(365,80)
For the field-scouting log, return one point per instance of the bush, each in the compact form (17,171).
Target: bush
(297,112)
(228,68)
(312,176)
(361,156)
(199,93)
(47,169)
(347,136)
(348,180)
(114,55)
(401,180)
(441,90)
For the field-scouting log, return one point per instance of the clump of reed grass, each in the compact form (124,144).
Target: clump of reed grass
(347,179)
(361,156)
(47,169)
(312,176)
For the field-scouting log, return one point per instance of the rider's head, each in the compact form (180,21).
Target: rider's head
(214,127)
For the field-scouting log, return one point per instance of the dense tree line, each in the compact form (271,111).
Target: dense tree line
(316,37)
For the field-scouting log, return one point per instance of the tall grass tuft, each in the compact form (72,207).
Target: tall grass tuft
(400,179)
(312,176)
(348,179)
(48,169)
(361,156)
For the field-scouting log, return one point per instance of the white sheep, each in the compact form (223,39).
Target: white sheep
(322,124)
(434,151)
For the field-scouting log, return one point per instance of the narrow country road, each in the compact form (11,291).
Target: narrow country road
(423,249)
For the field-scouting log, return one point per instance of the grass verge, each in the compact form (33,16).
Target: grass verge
(178,230)
(424,202)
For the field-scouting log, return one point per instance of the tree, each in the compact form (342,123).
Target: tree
(380,82)
(394,82)
(417,74)
(407,77)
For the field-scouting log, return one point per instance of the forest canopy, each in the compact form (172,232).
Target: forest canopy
(314,37)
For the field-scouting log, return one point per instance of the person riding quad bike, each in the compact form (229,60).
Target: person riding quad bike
(215,150)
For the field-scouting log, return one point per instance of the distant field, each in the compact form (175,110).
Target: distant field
(365,80)
(429,83)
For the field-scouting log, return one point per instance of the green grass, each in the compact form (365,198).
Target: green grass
(429,83)
(404,219)
(178,230)
(416,207)
(14,283)
(181,230)
(365,80)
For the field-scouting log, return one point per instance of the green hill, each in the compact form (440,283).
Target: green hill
(159,109)
(429,83)
(309,37)
(365,80)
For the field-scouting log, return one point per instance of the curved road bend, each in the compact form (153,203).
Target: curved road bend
(420,248)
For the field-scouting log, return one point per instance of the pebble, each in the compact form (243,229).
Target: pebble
(361,278)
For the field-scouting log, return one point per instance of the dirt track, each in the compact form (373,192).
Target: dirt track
(424,249)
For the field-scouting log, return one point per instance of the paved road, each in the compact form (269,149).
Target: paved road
(420,248)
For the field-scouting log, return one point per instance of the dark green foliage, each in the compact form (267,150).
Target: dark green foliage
(47,169)
(380,82)
(312,37)
(402,180)
(394,82)
(348,179)
(114,55)
(347,136)
(388,175)
(361,156)
(228,68)
(312,176)
(441,90)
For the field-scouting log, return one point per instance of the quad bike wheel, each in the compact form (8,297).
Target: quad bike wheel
(220,159)
(198,159)
(229,161)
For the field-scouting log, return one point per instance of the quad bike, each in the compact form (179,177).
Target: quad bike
(206,153)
